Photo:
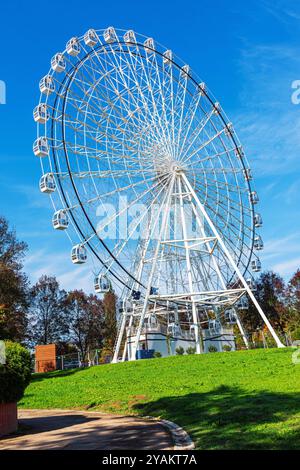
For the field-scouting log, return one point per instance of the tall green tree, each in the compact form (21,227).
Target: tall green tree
(292,315)
(48,313)
(13,285)
(271,295)
(86,321)
(110,320)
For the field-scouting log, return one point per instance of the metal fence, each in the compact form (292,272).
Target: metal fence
(70,361)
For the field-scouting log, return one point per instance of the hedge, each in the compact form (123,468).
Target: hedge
(15,373)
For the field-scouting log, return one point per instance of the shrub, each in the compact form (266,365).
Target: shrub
(212,349)
(179,351)
(296,334)
(191,350)
(226,348)
(15,373)
(157,354)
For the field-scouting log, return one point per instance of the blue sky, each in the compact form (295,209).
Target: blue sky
(246,52)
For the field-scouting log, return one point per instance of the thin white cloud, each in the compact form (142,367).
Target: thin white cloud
(287,268)
(70,276)
(268,123)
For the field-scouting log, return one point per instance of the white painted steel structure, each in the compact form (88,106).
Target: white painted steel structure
(126,129)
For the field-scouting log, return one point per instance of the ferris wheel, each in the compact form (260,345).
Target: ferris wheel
(148,176)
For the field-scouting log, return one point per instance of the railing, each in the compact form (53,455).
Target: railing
(163,329)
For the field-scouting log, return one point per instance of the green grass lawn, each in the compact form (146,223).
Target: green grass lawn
(236,400)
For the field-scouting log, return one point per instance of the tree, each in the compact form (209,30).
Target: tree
(270,294)
(86,321)
(13,285)
(48,312)
(110,320)
(292,315)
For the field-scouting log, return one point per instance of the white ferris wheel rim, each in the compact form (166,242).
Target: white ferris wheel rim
(60,174)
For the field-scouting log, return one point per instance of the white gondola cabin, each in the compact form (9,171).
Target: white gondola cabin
(258,220)
(40,147)
(60,220)
(256,265)
(230,316)
(247,174)
(214,326)
(193,329)
(167,56)
(58,63)
(151,322)
(149,46)
(124,306)
(217,108)
(185,70)
(258,243)
(47,85)
(202,87)
(90,38)
(40,113)
(102,284)
(240,152)
(251,284)
(253,197)
(73,47)
(78,254)
(110,35)
(174,329)
(47,183)
(129,36)
(243,303)
(229,129)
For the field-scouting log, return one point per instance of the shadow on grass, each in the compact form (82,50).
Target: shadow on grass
(37,377)
(232,418)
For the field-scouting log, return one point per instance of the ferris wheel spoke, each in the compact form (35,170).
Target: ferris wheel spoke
(123,243)
(111,193)
(140,89)
(203,146)
(189,119)
(118,214)
(214,156)
(230,226)
(223,185)
(197,132)
(233,204)
(132,96)
(94,108)
(163,102)
(147,74)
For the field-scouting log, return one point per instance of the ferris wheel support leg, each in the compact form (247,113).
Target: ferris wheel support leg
(166,204)
(242,331)
(231,260)
(189,269)
(119,340)
(218,271)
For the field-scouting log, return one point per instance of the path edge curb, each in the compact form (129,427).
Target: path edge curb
(181,439)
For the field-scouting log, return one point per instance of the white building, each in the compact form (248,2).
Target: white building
(166,339)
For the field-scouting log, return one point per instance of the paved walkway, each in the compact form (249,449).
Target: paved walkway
(70,430)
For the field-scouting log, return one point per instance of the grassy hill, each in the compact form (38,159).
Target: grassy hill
(236,400)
